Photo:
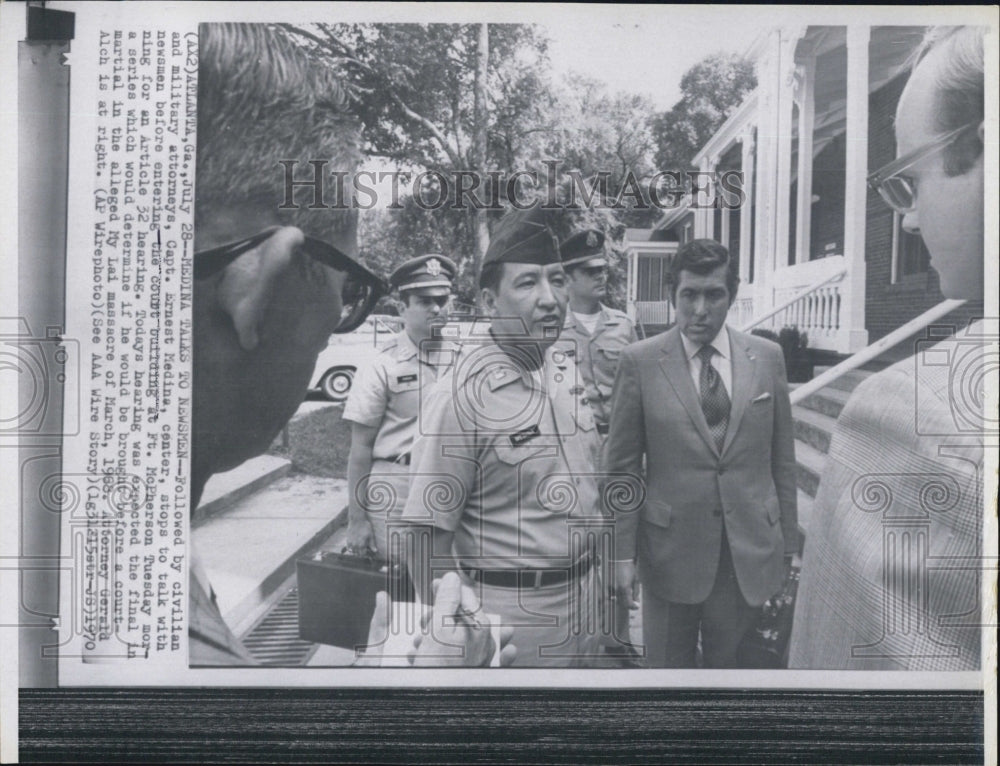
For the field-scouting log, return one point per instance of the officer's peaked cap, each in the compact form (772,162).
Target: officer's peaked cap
(425,275)
(583,246)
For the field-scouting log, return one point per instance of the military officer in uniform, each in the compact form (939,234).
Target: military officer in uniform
(594,334)
(386,397)
(502,481)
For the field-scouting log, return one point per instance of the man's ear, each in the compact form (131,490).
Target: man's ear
(489,300)
(249,282)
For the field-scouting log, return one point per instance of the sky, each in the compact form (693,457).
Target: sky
(648,54)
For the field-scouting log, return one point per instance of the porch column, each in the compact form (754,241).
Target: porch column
(704,225)
(779,259)
(852,335)
(746,210)
(807,118)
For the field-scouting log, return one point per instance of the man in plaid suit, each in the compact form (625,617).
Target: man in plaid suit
(890,575)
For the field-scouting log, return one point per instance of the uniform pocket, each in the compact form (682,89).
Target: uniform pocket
(402,384)
(515,455)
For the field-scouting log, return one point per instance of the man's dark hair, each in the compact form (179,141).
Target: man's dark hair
(490,276)
(701,256)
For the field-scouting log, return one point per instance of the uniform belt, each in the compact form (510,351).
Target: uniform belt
(603,428)
(529,578)
(400,459)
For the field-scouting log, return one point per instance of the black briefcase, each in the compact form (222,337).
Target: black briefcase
(337,596)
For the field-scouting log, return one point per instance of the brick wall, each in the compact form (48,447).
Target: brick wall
(888,305)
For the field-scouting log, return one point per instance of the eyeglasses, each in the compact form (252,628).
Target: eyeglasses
(899,191)
(360,292)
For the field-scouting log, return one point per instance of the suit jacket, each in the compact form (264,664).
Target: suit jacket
(893,551)
(691,491)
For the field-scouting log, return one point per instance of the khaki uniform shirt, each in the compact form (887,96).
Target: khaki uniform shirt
(387,393)
(597,355)
(505,461)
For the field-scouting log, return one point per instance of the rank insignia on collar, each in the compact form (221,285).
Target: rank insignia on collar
(524,436)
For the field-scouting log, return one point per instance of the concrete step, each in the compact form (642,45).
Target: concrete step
(249,550)
(827,401)
(809,467)
(225,489)
(813,428)
(848,381)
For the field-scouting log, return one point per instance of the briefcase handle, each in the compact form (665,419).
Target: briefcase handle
(350,550)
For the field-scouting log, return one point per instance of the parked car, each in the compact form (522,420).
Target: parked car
(337,363)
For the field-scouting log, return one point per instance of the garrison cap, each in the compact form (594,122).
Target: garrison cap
(523,236)
(425,275)
(584,246)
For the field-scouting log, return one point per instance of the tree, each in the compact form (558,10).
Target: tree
(711,90)
(429,94)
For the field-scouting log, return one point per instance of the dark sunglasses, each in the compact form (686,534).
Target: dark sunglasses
(594,272)
(361,290)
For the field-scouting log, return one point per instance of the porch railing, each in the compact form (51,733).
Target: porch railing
(877,348)
(741,312)
(815,311)
(653,312)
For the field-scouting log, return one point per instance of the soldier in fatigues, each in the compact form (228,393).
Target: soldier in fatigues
(386,398)
(502,475)
(594,335)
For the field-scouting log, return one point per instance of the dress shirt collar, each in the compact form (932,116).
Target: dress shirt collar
(720,343)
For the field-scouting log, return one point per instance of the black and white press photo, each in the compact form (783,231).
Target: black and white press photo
(501,346)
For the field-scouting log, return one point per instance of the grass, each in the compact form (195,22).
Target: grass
(318,444)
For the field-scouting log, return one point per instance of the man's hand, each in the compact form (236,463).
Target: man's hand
(378,629)
(360,536)
(627,583)
(458,634)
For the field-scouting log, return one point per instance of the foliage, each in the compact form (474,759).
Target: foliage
(414,88)
(711,90)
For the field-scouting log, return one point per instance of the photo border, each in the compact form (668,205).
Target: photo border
(349,725)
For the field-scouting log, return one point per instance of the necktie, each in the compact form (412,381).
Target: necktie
(714,399)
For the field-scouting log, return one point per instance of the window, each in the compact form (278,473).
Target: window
(651,270)
(909,253)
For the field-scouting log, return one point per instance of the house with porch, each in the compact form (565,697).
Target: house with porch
(817,250)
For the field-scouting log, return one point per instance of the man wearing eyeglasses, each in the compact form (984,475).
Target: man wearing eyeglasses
(266,294)
(890,575)
(385,402)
